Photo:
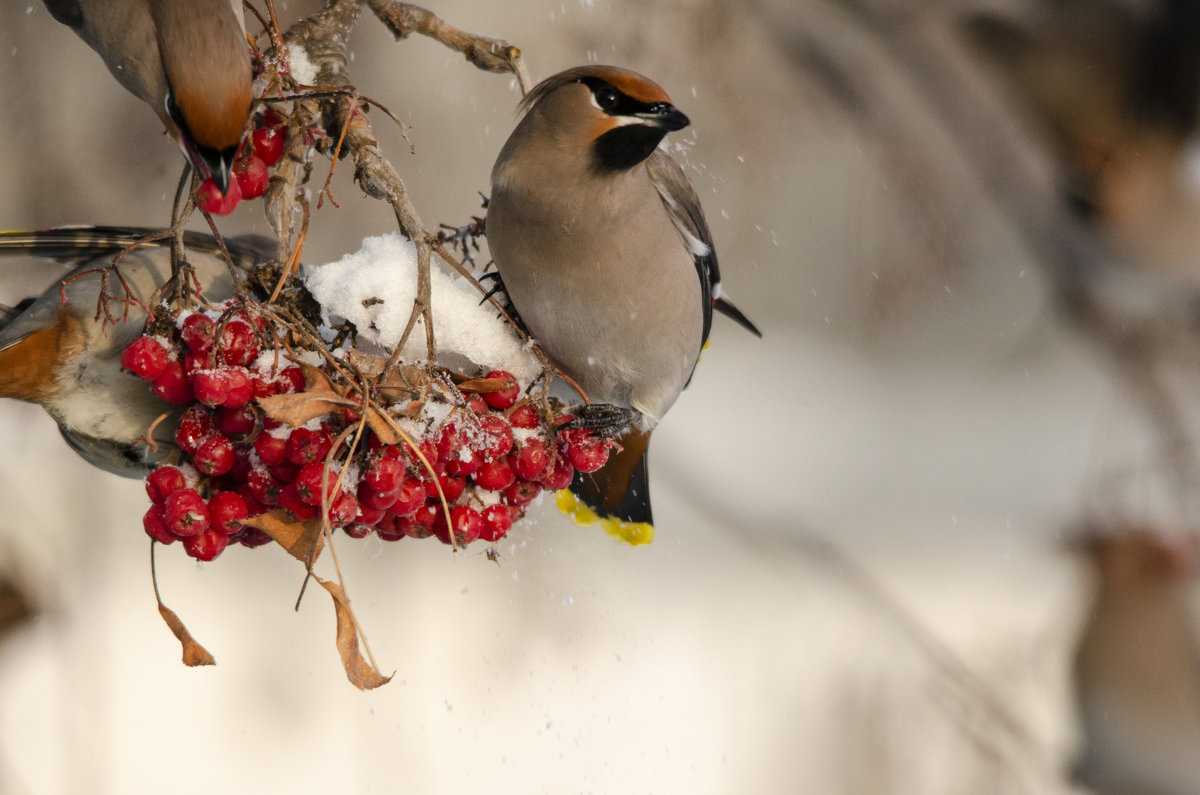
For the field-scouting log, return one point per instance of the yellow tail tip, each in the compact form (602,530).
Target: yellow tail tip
(632,533)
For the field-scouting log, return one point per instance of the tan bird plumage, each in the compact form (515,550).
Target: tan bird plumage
(59,356)
(602,246)
(188,61)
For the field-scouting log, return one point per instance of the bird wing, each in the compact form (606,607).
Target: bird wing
(78,244)
(683,206)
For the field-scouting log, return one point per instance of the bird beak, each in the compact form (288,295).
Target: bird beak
(666,117)
(219,165)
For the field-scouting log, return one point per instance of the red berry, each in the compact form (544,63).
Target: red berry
(498,436)
(145,357)
(285,472)
(531,460)
(428,449)
(522,492)
(384,475)
(464,462)
(172,384)
(497,521)
(198,332)
(420,524)
(559,475)
(238,347)
(264,486)
(465,523)
(358,529)
(305,446)
(311,479)
(215,456)
(237,421)
(253,537)
(268,144)
(270,119)
(271,449)
(368,516)
(253,506)
(226,510)
(494,475)
(238,388)
(210,199)
(343,510)
(241,465)
(211,386)
(525,416)
(291,379)
(163,481)
(252,177)
(185,513)
(452,488)
(504,397)
(390,528)
(196,425)
(206,545)
(477,404)
(410,497)
(586,451)
(290,498)
(155,525)
(377,500)
(449,443)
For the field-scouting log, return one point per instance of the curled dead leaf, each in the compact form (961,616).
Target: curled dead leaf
(485,385)
(193,653)
(303,540)
(361,673)
(300,407)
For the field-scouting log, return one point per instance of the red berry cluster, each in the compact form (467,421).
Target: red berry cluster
(250,171)
(488,459)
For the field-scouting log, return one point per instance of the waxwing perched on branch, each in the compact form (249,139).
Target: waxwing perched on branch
(60,356)
(603,250)
(188,60)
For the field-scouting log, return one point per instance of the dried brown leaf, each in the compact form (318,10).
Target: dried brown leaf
(315,379)
(382,428)
(303,540)
(485,385)
(300,407)
(361,673)
(193,653)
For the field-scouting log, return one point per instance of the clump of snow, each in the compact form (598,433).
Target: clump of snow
(303,70)
(374,288)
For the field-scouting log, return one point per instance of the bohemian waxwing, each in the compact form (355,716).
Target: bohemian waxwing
(59,356)
(603,250)
(188,60)
(1137,668)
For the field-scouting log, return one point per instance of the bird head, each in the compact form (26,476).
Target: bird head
(209,90)
(619,115)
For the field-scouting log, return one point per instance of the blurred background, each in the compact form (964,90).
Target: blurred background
(932,533)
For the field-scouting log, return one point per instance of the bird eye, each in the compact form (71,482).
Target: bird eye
(606,98)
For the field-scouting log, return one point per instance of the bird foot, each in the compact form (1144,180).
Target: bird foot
(603,419)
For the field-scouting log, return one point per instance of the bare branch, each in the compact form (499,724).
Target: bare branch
(491,55)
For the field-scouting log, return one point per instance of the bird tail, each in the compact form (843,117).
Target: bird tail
(733,313)
(617,496)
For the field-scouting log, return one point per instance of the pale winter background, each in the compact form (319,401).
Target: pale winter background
(862,581)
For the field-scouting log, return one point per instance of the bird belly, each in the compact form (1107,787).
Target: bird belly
(622,319)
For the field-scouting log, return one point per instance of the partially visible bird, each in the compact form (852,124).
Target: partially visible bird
(60,356)
(1137,669)
(188,60)
(602,247)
